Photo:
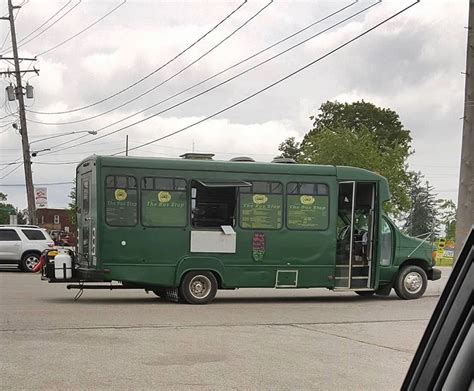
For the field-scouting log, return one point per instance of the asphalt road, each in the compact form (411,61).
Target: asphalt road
(247,339)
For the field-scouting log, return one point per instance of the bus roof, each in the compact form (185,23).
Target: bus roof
(342,172)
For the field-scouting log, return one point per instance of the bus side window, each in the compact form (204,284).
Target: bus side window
(121,206)
(212,207)
(307,206)
(261,206)
(163,202)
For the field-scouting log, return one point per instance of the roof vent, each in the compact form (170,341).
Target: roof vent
(198,156)
(242,159)
(286,160)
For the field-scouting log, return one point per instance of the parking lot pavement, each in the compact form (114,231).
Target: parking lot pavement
(246,339)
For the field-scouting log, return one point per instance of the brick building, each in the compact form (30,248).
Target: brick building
(55,220)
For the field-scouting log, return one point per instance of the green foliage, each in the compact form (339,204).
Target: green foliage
(7,209)
(358,134)
(383,123)
(72,204)
(447,217)
(290,149)
(422,217)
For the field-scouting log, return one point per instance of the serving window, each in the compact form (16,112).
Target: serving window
(307,206)
(213,204)
(121,205)
(261,205)
(163,202)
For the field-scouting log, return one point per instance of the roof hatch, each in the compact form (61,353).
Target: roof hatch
(242,159)
(197,156)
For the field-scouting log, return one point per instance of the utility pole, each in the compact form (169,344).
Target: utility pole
(23,128)
(465,210)
(126,145)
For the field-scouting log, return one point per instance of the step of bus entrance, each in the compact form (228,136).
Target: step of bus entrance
(341,282)
(359,282)
(360,271)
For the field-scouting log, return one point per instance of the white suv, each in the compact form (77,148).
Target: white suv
(23,245)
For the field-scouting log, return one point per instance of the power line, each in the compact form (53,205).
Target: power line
(83,30)
(166,80)
(12,171)
(272,84)
(47,28)
(8,32)
(205,91)
(45,22)
(36,184)
(151,73)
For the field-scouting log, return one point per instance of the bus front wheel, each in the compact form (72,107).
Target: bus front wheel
(198,287)
(411,282)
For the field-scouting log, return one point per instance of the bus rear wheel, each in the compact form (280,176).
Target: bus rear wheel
(411,282)
(198,287)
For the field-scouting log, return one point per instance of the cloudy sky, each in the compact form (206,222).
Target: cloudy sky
(411,64)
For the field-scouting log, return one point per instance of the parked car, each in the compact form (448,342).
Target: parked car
(23,245)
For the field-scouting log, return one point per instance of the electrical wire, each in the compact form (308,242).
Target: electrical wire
(164,81)
(207,90)
(149,74)
(272,84)
(9,31)
(36,184)
(44,23)
(11,172)
(82,31)
(47,28)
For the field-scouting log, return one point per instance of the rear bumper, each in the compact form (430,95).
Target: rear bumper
(79,274)
(434,274)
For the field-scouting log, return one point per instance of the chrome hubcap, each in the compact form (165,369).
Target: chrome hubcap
(31,262)
(200,287)
(413,282)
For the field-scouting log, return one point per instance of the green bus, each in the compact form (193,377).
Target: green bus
(184,228)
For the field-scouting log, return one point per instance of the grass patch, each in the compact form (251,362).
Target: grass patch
(442,261)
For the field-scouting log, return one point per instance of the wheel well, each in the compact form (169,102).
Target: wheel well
(218,278)
(416,262)
(35,252)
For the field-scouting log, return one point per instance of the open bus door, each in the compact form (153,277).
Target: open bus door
(84,217)
(355,236)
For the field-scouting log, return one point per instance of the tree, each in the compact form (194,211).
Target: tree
(422,216)
(290,149)
(358,134)
(72,204)
(7,209)
(447,217)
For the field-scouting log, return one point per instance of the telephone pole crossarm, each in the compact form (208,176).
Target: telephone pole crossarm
(9,73)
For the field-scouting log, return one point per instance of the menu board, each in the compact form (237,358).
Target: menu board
(307,212)
(260,211)
(121,207)
(163,208)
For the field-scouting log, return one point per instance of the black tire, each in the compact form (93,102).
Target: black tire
(411,282)
(198,287)
(28,261)
(160,292)
(365,293)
